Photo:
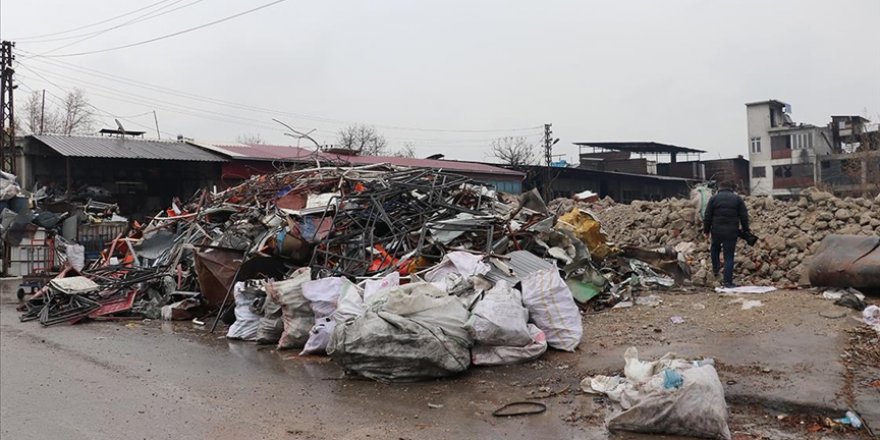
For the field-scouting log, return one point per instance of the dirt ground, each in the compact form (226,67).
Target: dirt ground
(780,363)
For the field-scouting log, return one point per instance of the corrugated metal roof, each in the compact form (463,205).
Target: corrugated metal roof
(294,154)
(126,148)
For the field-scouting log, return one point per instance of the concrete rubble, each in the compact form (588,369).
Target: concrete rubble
(789,231)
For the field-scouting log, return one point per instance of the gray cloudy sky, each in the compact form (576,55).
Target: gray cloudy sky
(676,71)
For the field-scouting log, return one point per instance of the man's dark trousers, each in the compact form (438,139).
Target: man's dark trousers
(727,245)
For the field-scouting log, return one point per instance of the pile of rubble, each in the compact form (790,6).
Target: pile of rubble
(789,231)
(398,274)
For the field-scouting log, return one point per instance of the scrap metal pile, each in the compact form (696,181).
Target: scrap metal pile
(398,274)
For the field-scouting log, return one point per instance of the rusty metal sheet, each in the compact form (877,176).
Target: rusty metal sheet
(216,269)
(847,261)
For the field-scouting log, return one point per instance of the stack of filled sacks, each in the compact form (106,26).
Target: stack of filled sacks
(437,325)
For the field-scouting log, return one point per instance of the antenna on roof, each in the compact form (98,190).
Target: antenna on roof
(299,134)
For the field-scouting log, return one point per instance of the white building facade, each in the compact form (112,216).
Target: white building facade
(782,154)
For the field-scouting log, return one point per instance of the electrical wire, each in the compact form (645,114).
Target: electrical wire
(90,25)
(173,34)
(139,19)
(60,101)
(339,122)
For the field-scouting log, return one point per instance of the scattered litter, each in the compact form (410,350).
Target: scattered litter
(677,320)
(871,316)
(649,301)
(746,289)
(747,304)
(850,419)
(667,396)
(836,294)
(435,406)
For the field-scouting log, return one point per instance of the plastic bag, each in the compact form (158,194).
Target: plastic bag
(500,318)
(414,332)
(324,295)
(319,336)
(295,308)
(271,324)
(552,308)
(349,305)
(697,408)
(506,355)
(462,263)
(374,287)
(246,320)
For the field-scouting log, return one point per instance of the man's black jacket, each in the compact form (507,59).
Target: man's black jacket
(725,213)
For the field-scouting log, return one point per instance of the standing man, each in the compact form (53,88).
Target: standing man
(725,213)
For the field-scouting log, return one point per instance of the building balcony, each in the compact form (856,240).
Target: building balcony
(792,182)
(781,154)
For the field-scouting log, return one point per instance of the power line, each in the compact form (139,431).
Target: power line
(173,34)
(139,19)
(90,25)
(274,112)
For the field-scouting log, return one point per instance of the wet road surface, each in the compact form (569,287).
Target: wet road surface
(159,380)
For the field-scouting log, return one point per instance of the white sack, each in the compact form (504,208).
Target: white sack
(552,308)
(506,355)
(246,321)
(696,409)
(414,332)
(295,308)
(500,318)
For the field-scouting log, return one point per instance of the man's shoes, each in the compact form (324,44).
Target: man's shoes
(730,285)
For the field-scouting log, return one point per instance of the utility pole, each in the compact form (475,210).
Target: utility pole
(7,108)
(43,111)
(156,118)
(548,144)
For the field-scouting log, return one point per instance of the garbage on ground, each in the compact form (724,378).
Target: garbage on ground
(746,289)
(850,419)
(413,332)
(366,264)
(747,304)
(871,316)
(670,396)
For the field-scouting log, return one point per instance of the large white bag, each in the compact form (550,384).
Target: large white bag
(499,318)
(247,322)
(324,295)
(695,409)
(506,355)
(295,308)
(413,332)
(552,308)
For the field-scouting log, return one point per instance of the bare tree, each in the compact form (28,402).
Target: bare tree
(32,112)
(250,139)
(408,150)
(514,151)
(37,119)
(76,114)
(364,139)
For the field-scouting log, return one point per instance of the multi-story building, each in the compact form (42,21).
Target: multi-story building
(786,157)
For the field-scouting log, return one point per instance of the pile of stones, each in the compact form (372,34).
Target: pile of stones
(789,231)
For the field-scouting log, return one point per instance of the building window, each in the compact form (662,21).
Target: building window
(756,144)
(759,172)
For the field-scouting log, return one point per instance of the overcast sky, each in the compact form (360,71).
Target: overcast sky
(674,71)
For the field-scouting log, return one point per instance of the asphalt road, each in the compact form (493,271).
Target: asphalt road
(162,380)
(156,380)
